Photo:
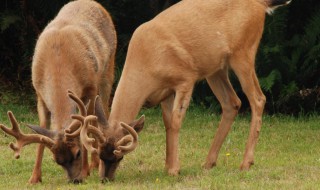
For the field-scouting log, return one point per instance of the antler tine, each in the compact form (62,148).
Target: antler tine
(75,124)
(86,129)
(81,106)
(74,128)
(121,146)
(23,139)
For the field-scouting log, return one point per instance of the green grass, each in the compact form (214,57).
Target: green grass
(287,156)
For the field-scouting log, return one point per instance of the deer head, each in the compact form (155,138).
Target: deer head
(66,149)
(113,143)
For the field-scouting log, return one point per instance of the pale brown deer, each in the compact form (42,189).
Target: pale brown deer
(76,51)
(190,41)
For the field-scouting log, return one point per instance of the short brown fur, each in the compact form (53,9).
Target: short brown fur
(190,41)
(76,51)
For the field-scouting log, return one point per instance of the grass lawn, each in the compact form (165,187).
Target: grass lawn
(287,156)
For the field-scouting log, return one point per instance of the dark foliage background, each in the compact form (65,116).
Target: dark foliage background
(287,61)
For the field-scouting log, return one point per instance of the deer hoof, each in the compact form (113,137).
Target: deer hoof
(174,171)
(35,180)
(246,165)
(85,173)
(209,165)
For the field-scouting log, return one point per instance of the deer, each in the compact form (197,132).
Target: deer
(191,41)
(75,52)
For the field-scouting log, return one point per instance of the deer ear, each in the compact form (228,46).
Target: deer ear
(138,124)
(99,112)
(42,131)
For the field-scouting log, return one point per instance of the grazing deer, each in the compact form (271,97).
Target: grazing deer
(76,51)
(191,41)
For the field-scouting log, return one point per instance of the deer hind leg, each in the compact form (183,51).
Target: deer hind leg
(244,69)
(230,103)
(44,118)
(174,109)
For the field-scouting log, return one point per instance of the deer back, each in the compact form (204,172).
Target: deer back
(73,53)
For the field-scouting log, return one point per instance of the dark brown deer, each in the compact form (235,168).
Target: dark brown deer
(190,41)
(76,51)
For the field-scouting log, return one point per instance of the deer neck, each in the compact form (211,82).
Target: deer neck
(129,97)
(62,108)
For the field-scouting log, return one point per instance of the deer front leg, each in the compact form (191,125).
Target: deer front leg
(94,156)
(36,173)
(85,164)
(102,171)
(94,159)
(167,106)
(230,103)
(44,121)
(174,110)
